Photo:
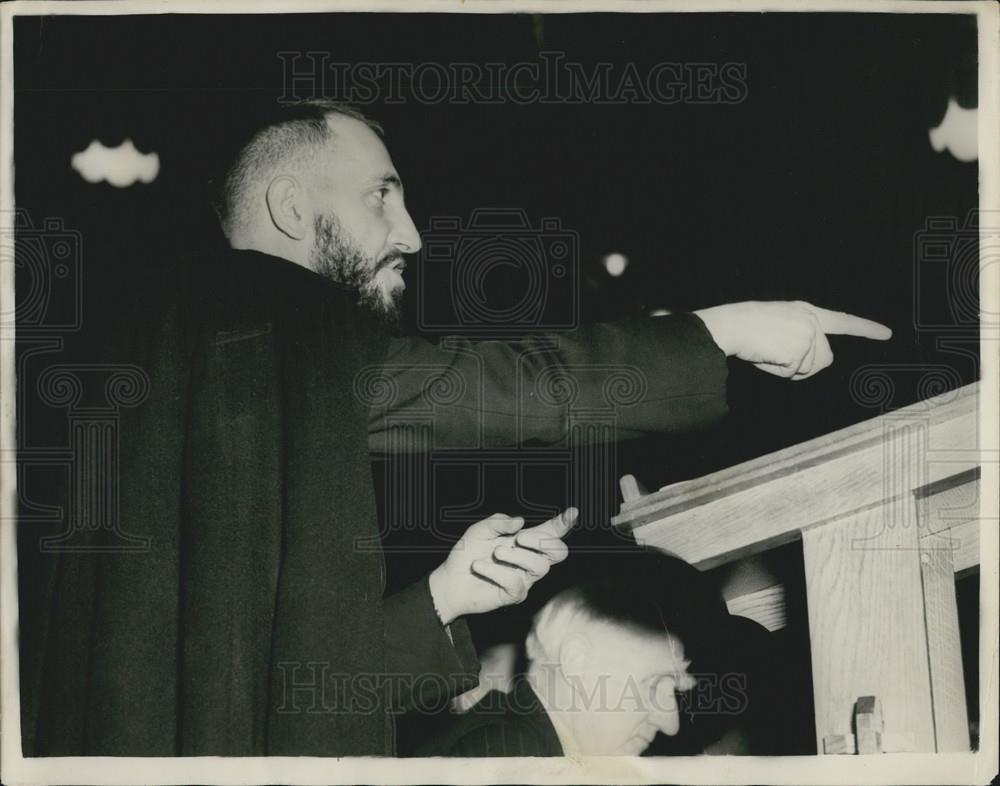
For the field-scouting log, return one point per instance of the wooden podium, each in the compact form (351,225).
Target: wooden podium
(887,512)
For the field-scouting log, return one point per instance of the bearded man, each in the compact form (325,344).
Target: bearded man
(255,623)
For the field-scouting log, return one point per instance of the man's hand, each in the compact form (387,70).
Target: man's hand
(787,339)
(496,563)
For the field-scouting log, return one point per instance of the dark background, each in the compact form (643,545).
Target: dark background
(811,188)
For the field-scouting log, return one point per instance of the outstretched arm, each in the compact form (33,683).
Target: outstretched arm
(641,375)
(647,375)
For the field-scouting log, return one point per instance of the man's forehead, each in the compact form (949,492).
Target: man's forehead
(662,646)
(643,644)
(357,148)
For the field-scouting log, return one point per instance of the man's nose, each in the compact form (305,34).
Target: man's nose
(663,712)
(667,722)
(404,235)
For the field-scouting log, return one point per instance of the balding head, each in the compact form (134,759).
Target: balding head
(317,187)
(289,143)
(608,655)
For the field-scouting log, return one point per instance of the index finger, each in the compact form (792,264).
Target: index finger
(844,324)
(499,524)
(540,537)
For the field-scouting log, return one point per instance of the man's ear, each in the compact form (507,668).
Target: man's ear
(287,203)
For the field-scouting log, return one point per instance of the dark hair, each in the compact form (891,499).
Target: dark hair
(645,590)
(655,592)
(280,135)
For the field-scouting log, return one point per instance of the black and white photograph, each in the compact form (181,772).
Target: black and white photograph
(499,392)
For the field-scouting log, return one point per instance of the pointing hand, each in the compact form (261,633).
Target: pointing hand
(787,339)
(496,562)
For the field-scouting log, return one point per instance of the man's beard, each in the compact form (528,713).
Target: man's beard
(336,256)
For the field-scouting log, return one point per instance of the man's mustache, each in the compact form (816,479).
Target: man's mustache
(390,260)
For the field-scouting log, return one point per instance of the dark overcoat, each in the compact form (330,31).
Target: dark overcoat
(253,622)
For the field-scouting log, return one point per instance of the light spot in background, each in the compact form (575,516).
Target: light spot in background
(957,132)
(615,264)
(660,312)
(121,166)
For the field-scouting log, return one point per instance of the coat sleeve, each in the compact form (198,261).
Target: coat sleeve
(638,376)
(427,663)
